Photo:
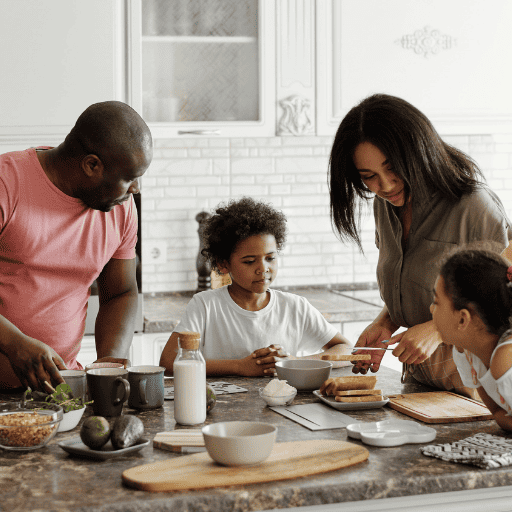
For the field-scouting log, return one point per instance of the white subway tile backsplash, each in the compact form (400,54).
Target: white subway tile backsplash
(192,175)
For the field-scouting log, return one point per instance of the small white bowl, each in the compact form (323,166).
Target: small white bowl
(239,443)
(71,419)
(277,400)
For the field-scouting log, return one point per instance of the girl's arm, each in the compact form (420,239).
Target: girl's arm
(501,364)
(499,414)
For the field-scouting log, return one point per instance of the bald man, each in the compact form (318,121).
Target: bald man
(68,218)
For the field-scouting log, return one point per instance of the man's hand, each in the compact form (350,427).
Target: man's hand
(34,362)
(109,359)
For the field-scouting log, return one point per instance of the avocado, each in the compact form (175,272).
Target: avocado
(127,430)
(95,432)
(211,399)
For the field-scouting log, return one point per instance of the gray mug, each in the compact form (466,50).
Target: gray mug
(146,386)
(109,389)
(75,379)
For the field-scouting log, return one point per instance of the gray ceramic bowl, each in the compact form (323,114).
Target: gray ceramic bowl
(304,374)
(239,443)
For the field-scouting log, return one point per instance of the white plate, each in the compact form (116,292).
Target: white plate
(354,406)
(76,447)
(391,432)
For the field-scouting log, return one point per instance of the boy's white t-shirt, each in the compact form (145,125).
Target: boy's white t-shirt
(231,332)
(474,374)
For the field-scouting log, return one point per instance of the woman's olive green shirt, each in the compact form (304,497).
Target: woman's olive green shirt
(406,278)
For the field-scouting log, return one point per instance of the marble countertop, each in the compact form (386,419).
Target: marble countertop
(51,479)
(162,312)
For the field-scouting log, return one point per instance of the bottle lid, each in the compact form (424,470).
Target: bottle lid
(189,340)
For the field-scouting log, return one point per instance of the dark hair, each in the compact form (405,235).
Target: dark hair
(111,130)
(476,279)
(237,221)
(416,152)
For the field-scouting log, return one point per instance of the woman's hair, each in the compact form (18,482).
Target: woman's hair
(476,279)
(415,151)
(237,221)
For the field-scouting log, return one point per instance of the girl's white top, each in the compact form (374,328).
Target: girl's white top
(474,374)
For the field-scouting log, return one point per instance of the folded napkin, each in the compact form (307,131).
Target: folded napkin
(483,450)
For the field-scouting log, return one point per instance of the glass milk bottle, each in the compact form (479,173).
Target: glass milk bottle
(189,381)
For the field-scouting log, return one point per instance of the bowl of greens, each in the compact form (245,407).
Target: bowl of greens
(73,408)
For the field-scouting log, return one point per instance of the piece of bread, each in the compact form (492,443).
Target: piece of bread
(359,392)
(347,357)
(354,399)
(355,382)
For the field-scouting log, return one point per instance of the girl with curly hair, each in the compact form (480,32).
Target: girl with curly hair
(472,310)
(246,326)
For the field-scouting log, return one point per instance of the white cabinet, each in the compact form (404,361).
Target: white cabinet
(446,58)
(57,58)
(203,67)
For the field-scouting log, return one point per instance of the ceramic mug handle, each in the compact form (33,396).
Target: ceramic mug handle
(142,391)
(126,394)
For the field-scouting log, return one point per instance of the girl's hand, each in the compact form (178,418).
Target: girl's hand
(417,343)
(372,336)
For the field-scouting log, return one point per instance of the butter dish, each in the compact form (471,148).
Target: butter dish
(391,432)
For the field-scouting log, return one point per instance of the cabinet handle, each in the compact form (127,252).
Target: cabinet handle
(198,132)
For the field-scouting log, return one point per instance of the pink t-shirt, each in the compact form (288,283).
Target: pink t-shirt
(52,248)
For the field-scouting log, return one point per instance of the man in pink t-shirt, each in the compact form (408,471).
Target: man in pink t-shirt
(68,218)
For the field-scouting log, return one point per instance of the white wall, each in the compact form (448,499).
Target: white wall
(191,175)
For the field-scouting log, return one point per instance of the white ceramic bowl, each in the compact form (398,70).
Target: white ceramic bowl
(304,374)
(239,443)
(71,419)
(277,400)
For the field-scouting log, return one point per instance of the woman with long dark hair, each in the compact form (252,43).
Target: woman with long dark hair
(427,198)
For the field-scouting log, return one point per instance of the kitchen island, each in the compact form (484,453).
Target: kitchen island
(396,478)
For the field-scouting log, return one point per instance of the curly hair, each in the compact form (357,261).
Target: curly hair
(236,221)
(476,279)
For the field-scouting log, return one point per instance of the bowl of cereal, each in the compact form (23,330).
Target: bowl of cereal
(28,426)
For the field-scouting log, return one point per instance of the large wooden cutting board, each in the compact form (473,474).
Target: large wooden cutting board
(439,407)
(287,460)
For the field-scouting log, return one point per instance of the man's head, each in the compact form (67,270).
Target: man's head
(113,148)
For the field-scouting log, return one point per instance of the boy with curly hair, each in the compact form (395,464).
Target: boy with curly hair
(246,326)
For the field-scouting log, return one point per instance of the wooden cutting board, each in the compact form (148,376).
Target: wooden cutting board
(439,407)
(287,460)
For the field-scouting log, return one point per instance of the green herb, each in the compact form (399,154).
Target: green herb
(62,396)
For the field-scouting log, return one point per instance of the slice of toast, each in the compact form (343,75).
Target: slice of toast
(347,357)
(355,382)
(359,392)
(354,399)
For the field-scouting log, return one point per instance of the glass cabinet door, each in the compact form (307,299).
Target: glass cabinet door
(202,63)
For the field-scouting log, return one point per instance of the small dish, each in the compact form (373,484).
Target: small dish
(391,432)
(71,419)
(277,400)
(353,406)
(75,446)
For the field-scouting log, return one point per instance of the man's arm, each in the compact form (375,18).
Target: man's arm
(118,296)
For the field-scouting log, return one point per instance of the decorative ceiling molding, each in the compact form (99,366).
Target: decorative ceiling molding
(426,41)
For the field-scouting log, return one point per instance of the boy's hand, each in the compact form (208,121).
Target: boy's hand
(262,361)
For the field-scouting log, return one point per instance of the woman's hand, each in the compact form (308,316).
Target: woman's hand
(372,336)
(417,343)
(261,362)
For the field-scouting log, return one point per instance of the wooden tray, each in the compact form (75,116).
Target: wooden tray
(287,460)
(439,407)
